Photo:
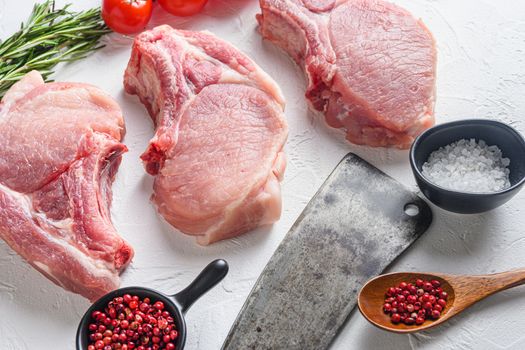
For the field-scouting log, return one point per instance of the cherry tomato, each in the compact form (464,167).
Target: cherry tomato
(126,16)
(182,7)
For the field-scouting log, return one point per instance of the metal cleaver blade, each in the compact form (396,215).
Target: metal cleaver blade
(350,231)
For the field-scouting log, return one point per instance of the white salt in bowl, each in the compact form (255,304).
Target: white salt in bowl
(505,137)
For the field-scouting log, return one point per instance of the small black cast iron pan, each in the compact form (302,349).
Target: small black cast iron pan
(177,304)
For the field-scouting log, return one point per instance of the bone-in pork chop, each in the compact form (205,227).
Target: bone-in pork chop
(59,152)
(370,65)
(217,151)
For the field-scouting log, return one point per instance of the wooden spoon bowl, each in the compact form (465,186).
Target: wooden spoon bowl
(463,291)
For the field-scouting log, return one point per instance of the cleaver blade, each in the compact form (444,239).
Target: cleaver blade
(350,231)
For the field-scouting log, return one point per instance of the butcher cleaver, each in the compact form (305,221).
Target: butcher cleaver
(359,221)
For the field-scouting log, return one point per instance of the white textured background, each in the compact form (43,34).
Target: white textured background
(481,73)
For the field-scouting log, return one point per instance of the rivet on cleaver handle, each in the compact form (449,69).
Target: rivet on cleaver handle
(352,229)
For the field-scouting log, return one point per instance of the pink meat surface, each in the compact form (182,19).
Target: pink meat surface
(371,66)
(59,152)
(217,152)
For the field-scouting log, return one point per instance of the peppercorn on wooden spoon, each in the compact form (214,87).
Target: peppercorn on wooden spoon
(463,291)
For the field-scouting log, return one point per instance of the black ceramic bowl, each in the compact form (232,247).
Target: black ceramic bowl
(176,304)
(493,132)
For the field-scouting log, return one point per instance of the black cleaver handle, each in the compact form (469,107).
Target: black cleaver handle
(352,229)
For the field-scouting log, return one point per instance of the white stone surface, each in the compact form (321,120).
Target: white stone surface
(481,74)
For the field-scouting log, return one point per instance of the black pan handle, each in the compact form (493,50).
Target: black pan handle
(206,280)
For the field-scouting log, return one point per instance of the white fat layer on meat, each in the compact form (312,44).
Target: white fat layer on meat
(63,225)
(96,268)
(45,269)
(231,76)
(228,75)
(20,198)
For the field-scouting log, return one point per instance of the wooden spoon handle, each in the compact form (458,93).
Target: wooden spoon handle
(474,288)
(506,280)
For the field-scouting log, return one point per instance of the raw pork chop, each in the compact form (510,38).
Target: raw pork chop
(59,152)
(370,65)
(217,151)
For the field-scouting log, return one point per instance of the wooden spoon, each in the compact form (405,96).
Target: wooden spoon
(463,291)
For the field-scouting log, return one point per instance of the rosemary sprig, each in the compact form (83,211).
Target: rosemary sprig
(48,37)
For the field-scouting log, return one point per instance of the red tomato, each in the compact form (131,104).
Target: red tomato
(126,16)
(182,7)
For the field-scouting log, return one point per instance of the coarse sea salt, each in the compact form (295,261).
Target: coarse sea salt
(468,166)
